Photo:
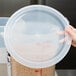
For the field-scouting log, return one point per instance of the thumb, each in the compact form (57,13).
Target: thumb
(70,32)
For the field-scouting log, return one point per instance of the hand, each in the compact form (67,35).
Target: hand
(72,33)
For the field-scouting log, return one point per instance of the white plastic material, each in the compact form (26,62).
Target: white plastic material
(31,36)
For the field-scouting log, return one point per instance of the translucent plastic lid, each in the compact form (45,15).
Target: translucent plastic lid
(31,36)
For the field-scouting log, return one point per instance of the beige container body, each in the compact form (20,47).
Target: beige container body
(20,70)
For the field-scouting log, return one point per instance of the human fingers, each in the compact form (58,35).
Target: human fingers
(60,32)
(62,40)
(70,30)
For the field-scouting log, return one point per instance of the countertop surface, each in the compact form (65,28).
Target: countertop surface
(66,72)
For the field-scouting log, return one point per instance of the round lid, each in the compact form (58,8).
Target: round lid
(31,36)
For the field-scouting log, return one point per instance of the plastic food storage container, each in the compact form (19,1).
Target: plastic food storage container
(3,53)
(31,36)
(3,21)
